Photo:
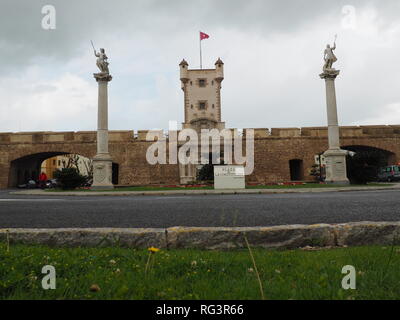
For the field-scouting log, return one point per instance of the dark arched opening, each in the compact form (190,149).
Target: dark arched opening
(364,162)
(29,167)
(296,170)
(115,173)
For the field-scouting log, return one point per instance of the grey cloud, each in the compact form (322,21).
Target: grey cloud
(22,39)
(24,43)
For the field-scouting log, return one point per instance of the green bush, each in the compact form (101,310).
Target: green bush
(317,173)
(69,178)
(206,173)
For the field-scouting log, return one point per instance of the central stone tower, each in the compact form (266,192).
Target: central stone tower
(202,96)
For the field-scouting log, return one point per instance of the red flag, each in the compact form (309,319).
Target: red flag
(203,36)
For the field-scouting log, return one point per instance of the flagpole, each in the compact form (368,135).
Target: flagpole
(201,59)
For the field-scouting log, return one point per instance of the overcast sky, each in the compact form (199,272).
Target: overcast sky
(272,50)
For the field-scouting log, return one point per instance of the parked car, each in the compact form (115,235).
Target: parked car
(51,184)
(389,174)
(32,184)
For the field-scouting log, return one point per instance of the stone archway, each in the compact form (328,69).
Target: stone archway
(389,156)
(29,167)
(364,164)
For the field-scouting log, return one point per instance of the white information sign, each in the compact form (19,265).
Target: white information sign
(229,177)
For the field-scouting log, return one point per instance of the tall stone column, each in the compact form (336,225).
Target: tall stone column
(102,162)
(336,171)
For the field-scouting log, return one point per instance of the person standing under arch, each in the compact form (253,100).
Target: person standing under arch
(42,180)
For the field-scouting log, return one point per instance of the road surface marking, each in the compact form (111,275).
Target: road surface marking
(29,200)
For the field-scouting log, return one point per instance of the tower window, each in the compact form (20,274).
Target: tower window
(212,82)
(202,82)
(202,105)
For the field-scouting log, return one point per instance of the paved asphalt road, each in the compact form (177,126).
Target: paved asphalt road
(197,210)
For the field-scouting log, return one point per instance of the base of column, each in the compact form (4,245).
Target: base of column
(102,172)
(187,173)
(336,169)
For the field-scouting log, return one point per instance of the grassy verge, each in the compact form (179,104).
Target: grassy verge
(117,273)
(300,186)
(137,189)
(316,185)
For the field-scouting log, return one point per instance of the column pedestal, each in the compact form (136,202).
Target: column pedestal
(102,172)
(336,170)
(102,162)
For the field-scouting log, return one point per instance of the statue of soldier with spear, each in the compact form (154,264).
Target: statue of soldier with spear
(329,56)
(102,58)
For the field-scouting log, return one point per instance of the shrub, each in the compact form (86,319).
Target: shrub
(206,173)
(69,178)
(317,173)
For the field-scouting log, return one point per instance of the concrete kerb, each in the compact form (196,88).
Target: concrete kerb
(282,237)
(88,237)
(201,192)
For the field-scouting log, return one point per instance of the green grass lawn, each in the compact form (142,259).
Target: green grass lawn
(302,186)
(317,185)
(193,274)
(145,188)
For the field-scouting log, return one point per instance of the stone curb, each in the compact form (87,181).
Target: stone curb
(284,237)
(200,192)
(367,233)
(96,237)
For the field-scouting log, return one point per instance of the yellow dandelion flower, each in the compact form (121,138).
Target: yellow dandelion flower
(153,250)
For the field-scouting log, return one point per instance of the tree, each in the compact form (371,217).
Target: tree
(71,161)
(69,178)
(74,161)
(206,173)
(88,163)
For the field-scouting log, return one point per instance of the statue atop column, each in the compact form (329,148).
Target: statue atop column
(329,57)
(336,170)
(102,62)
(102,162)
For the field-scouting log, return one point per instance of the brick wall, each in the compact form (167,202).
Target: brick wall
(273,150)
